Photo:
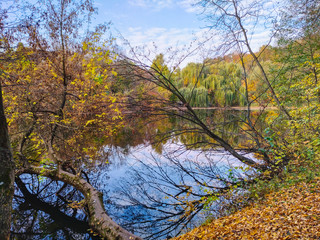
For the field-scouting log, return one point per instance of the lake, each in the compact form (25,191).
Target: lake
(153,183)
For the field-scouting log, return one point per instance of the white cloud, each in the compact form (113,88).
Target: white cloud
(261,38)
(175,43)
(152,4)
(161,37)
(190,6)
(134,29)
(181,46)
(139,3)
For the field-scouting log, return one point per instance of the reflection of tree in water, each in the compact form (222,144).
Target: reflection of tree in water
(167,189)
(227,124)
(42,209)
(163,195)
(159,130)
(159,198)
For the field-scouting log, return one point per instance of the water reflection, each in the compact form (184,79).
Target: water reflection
(159,173)
(227,124)
(152,193)
(42,211)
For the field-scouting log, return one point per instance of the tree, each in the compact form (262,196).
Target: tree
(6,159)
(6,176)
(234,20)
(298,34)
(206,134)
(163,195)
(56,93)
(271,141)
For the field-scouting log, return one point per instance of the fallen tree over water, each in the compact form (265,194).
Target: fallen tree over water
(98,219)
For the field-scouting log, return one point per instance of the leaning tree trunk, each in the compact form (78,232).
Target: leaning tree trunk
(6,175)
(98,219)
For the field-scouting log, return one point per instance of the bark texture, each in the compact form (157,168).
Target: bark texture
(7,168)
(99,221)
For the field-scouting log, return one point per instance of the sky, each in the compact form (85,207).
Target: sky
(160,23)
(163,23)
(143,20)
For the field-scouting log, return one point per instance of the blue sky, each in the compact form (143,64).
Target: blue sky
(149,13)
(164,23)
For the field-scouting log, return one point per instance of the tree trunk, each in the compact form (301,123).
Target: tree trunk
(98,219)
(7,168)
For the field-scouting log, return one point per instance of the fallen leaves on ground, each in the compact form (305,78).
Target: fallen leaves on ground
(291,213)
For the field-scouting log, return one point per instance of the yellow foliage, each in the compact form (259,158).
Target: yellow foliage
(60,104)
(292,213)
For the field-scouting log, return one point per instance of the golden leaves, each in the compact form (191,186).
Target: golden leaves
(292,213)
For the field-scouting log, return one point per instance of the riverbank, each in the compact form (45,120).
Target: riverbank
(291,212)
(254,108)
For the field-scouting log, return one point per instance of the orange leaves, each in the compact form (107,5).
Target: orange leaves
(292,213)
(77,205)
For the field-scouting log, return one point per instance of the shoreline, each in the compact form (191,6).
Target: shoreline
(256,108)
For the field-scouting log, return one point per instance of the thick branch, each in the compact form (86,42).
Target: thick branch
(54,212)
(99,221)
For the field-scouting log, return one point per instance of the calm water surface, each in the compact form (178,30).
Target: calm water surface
(140,184)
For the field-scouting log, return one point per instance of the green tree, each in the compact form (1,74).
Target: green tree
(298,38)
(212,84)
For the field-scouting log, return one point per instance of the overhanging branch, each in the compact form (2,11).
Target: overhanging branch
(99,221)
